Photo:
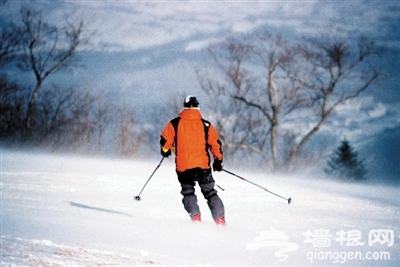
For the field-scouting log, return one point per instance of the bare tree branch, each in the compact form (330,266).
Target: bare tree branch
(48,49)
(265,76)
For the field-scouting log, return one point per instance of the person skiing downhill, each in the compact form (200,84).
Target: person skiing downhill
(192,138)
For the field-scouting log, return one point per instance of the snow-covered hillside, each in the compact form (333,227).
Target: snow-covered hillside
(70,211)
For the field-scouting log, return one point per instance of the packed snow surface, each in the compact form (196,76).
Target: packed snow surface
(70,211)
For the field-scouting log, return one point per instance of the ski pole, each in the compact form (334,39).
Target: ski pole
(137,198)
(289,200)
(220,187)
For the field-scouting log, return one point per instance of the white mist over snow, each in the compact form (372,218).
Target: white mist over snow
(74,211)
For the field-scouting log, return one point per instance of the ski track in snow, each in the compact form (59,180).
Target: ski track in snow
(75,211)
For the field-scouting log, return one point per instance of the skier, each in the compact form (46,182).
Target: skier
(191,138)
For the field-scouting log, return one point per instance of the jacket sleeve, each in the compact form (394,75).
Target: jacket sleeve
(167,137)
(214,143)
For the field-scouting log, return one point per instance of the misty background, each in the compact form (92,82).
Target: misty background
(143,57)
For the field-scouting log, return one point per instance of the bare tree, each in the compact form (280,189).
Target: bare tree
(269,86)
(52,116)
(129,133)
(47,49)
(103,116)
(12,104)
(343,74)
(71,119)
(11,39)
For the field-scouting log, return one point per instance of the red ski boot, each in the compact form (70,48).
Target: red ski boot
(196,218)
(221,222)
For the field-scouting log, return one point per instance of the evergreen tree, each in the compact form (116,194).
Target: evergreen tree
(344,164)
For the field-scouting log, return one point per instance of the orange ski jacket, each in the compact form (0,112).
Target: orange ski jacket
(192,137)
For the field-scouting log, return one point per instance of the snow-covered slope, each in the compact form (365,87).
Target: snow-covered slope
(70,211)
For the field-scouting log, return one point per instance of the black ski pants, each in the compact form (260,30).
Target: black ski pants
(206,182)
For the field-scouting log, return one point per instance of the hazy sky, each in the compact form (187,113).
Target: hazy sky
(147,50)
(129,25)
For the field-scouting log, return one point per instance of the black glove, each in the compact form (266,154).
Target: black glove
(165,154)
(217,165)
